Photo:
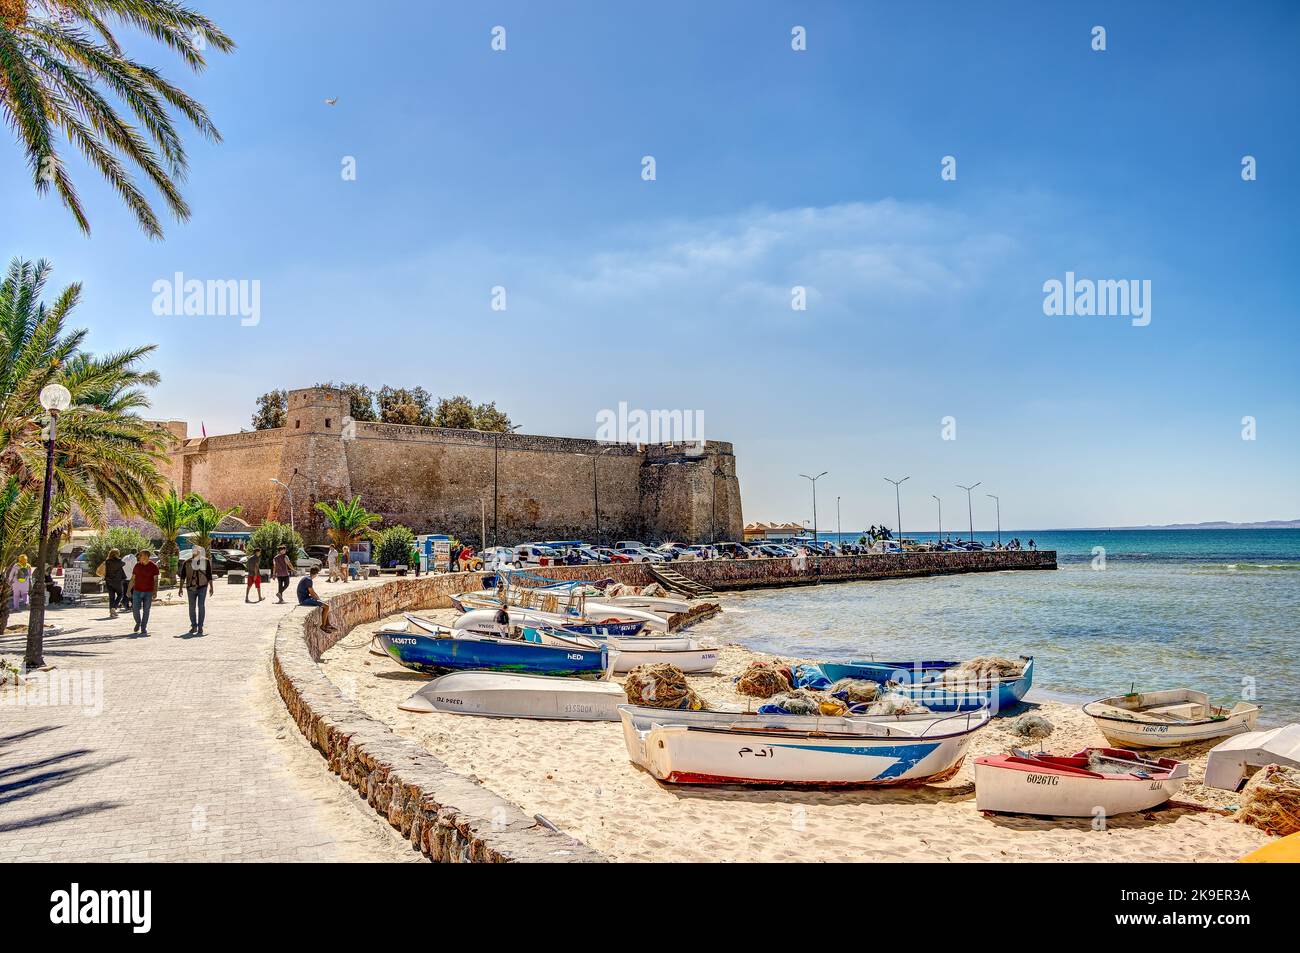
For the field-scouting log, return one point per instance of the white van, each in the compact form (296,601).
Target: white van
(530,554)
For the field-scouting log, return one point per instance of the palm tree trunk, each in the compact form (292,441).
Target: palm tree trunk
(6,602)
(35,657)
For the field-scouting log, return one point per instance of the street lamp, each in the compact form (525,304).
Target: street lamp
(969,512)
(839,536)
(55,398)
(898,507)
(813,480)
(496,451)
(940,502)
(289,490)
(999,503)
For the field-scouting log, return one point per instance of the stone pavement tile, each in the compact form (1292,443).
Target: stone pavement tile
(170,748)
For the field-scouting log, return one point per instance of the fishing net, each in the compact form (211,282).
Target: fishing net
(856,691)
(1032,726)
(984,668)
(763,680)
(894,704)
(654,589)
(803,701)
(660,685)
(1271,800)
(618,589)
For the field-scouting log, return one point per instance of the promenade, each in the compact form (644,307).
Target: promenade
(170,748)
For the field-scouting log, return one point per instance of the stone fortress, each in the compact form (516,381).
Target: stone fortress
(437,480)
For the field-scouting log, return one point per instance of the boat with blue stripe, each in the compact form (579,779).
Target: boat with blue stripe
(436,651)
(929,683)
(716,747)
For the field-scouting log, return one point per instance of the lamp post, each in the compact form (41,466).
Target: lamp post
(940,502)
(999,503)
(969,512)
(55,398)
(813,480)
(288,489)
(898,508)
(839,536)
(496,452)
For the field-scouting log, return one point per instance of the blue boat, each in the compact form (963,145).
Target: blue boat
(444,651)
(923,682)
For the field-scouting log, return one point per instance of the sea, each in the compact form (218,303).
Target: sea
(1212,610)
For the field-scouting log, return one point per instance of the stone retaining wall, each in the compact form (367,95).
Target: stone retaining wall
(446,816)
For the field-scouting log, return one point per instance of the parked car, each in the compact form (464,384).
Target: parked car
(530,554)
(732,551)
(614,555)
(222,561)
(676,551)
(702,552)
(590,554)
(641,554)
(494,555)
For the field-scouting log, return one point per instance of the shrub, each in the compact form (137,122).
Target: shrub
(122,538)
(393,545)
(269,537)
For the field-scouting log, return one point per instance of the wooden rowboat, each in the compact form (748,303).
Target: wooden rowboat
(444,650)
(1096,782)
(1168,719)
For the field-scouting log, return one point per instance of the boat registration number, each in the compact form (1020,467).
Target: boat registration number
(404,641)
(1048,779)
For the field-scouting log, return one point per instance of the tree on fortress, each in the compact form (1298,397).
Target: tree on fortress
(272,410)
(402,405)
(361,400)
(347,523)
(60,61)
(460,413)
(20,515)
(104,450)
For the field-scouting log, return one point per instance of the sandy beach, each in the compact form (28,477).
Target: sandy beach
(577,775)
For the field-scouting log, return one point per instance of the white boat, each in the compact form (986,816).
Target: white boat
(1094,782)
(1168,719)
(591,612)
(1231,760)
(689,655)
(505,695)
(658,604)
(711,747)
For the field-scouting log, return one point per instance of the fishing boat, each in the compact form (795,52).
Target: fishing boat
(509,695)
(583,613)
(484,621)
(1168,719)
(1233,758)
(689,655)
(662,605)
(935,685)
(443,650)
(1110,780)
(714,747)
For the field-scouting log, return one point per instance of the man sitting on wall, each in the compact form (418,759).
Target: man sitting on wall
(307,597)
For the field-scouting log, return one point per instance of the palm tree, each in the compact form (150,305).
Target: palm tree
(169,513)
(348,522)
(204,518)
(19,525)
(105,451)
(60,62)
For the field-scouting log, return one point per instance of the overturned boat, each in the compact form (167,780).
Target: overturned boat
(510,695)
(1231,760)
(1169,718)
(712,747)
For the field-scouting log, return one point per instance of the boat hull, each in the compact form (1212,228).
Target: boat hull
(684,748)
(692,659)
(484,621)
(1167,719)
(922,682)
(1004,786)
(435,656)
(501,695)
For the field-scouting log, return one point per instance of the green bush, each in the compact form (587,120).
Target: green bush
(122,538)
(269,537)
(393,545)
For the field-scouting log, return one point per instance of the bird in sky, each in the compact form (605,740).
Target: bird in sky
(332,102)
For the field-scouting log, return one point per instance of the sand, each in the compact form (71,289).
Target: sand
(578,776)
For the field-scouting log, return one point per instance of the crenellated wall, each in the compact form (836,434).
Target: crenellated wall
(465,482)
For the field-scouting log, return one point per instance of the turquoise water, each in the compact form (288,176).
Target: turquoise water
(1214,610)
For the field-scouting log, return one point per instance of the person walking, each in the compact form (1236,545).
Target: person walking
(20,581)
(144,586)
(281,569)
(413,557)
(453,556)
(195,580)
(332,564)
(253,568)
(115,582)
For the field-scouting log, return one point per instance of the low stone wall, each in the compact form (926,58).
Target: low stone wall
(764,573)
(448,817)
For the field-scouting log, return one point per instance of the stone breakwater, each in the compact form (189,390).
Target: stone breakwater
(446,816)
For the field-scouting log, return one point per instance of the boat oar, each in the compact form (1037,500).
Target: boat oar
(543,822)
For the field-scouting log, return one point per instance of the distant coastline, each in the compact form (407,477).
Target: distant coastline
(1266,524)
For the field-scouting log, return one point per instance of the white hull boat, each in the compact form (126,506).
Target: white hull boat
(687,654)
(592,612)
(1168,719)
(658,604)
(709,747)
(1095,782)
(1231,760)
(663,605)
(505,695)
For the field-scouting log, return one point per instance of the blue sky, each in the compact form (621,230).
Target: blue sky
(775,168)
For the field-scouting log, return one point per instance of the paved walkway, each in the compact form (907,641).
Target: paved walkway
(178,749)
